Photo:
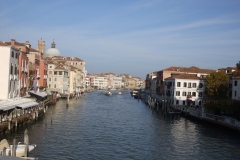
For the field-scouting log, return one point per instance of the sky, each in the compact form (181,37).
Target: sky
(134,37)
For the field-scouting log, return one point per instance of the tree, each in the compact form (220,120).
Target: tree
(217,85)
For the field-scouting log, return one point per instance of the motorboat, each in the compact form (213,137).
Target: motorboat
(108,93)
(20,148)
(119,92)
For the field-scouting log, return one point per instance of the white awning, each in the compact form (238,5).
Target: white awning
(8,107)
(27,105)
(40,94)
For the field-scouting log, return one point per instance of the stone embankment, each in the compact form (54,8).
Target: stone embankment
(191,112)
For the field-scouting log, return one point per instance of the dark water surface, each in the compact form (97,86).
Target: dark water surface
(119,127)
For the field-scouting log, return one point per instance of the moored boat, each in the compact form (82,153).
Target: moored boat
(20,148)
(108,93)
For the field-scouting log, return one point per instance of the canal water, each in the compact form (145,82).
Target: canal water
(120,127)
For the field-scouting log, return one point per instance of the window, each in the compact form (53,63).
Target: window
(183,102)
(194,85)
(189,93)
(200,85)
(185,84)
(235,83)
(177,101)
(55,79)
(178,84)
(50,66)
(55,72)
(177,93)
(193,103)
(49,86)
(16,56)
(55,86)
(15,69)
(49,79)
(11,68)
(60,73)
(200,94)
(189,85)
(200,103)
(50,72)
(184,93)
(13,54)
(235,93)
(194,94)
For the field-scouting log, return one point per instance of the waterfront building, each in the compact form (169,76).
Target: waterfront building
(40,68)
(236,88)
(9,71)
(184,89)
(24,49)
(167,72)
(72,61)
(148,84)
(74,79)
(229,71)
(100,81)
(58,78)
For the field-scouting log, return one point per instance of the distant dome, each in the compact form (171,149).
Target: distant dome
(52,51)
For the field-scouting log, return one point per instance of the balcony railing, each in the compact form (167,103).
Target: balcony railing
(26,70)
(10,76)
(15,77)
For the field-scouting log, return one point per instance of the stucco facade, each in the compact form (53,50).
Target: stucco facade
(9,81)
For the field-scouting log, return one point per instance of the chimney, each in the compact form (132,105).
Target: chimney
(28,44)
(13,41)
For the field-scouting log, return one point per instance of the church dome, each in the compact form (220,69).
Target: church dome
(52,51)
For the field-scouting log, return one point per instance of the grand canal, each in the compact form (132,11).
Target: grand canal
(120,127)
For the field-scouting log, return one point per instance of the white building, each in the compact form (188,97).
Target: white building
(9,71)
(100,82)
(58,78)
(236,88)
(184,89)
(117,82)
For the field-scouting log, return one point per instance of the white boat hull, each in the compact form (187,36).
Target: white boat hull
(20,150)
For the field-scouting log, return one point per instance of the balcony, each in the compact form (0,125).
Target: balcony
(10,76)
(26,70)
(15,77)
(45,77)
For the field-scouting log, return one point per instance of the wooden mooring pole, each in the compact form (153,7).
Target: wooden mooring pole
(26,142)
(14,148)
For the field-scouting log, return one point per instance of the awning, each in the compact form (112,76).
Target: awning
(8,107)
(27,105)
(40,94)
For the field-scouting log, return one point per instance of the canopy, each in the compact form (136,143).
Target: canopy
(27,105)
(8,107)
(40,94)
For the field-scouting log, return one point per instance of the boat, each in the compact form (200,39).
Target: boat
(20,148)
(119,92)
(108,93)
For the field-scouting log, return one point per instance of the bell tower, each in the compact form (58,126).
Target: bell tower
(41,46)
